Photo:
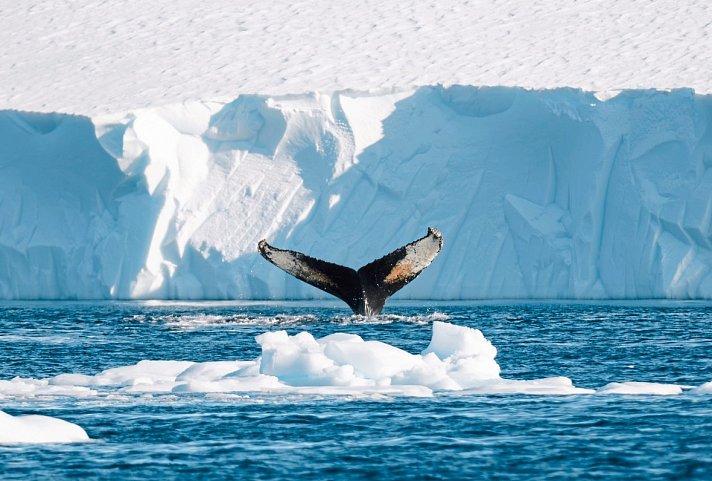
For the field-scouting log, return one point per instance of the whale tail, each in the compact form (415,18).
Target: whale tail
(365,290)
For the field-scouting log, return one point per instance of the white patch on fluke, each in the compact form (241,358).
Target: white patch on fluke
(418,256)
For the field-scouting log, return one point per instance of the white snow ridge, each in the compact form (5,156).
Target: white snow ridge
(539,194)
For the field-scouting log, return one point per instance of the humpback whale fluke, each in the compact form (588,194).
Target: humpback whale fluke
(365,290)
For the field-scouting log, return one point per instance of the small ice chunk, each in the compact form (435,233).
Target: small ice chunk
(38,429)
(144,371)
(210,371)
(456,342)
(71,380)
(234,384)
(23,387)
(545,386)
(299,361)
(635,387)
(370,359)
(704,389)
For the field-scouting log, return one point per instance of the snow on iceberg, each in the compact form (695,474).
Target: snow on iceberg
(539,194)
(38,429)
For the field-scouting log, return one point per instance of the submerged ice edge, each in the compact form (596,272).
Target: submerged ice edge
(457,360)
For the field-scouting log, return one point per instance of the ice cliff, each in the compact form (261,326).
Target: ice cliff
(539,194)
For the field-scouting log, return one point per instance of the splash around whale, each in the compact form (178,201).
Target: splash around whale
(365,290)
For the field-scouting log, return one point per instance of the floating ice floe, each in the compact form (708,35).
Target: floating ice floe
(634,387)
(28,387)
(38,429)
(705,388)
(458,359)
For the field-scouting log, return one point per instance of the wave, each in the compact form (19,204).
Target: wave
(201,320)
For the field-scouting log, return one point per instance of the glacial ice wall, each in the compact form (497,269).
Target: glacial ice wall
(539,194)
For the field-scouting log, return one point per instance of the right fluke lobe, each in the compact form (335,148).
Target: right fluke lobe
(367,289)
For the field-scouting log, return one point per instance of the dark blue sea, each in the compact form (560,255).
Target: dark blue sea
(291,436)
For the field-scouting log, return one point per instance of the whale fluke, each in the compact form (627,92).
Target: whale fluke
(365,290)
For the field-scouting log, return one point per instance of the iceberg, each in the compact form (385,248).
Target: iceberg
(538,193)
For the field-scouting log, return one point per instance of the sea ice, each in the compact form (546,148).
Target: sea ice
(705,388)
(38,429)
(633,387)
(458,359)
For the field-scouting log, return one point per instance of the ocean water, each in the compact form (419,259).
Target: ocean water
(451,435)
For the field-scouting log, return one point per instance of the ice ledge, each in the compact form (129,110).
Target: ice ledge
(539,194)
